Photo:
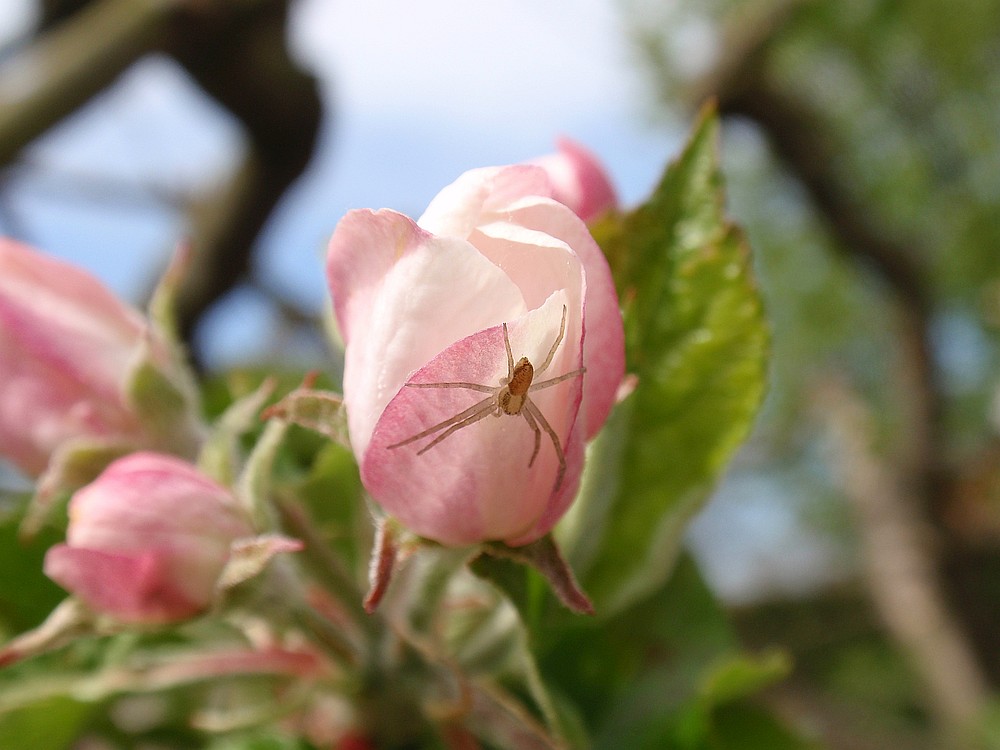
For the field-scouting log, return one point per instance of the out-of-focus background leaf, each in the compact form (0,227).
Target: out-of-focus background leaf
(28,595)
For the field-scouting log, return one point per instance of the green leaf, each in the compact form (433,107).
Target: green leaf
(742,726)
(697,341)
(742,676)
(333,493)
(645,661)
(26,594)
(51,724)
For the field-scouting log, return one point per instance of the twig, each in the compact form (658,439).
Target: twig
(899,563)
(237,53)
(48,79)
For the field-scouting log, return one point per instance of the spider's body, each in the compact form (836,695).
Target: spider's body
(511,397)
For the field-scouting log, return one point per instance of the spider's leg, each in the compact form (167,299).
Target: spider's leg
(510,354)
(485,410)
(538,434)
(458,418)
(558,379)
(468,386)
(535,412)
(555,344)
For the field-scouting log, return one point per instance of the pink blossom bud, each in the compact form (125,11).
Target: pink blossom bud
(147,540)
(68,347)
(427,311)
(578,180)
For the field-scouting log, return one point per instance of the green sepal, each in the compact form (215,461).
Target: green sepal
(68,621)
(317,410)
(255,482)
(221,454)
(161,386)
(164,398)
(74,464)
(162,303)
(249,557)
(542,555)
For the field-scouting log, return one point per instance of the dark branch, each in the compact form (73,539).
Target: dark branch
(240,58)
(64,67)
(235,50)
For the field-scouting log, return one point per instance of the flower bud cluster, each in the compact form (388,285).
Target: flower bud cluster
(484,348)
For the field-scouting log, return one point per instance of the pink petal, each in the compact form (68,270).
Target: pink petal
(64,316)
(149,498)
(536,262)
(41,409)
(604,342)
(558,502)
(362,250)
(132,588)
(507,201)
(477,484)
(151,502)
(458,209)
(411,295)
(66,346)
(579,181)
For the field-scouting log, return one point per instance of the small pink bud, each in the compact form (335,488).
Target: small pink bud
(578,180)
(148,540)
(68,348)
(455,436)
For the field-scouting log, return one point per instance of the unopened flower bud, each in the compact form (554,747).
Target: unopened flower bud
(148,540)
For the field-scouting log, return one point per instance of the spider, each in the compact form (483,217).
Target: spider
(510,397)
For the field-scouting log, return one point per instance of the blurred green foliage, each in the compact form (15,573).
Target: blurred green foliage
(900,98)
(862,153)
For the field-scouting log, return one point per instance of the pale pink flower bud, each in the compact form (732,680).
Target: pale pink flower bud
(578,180)
(68,348)
(148,540)
(424,302)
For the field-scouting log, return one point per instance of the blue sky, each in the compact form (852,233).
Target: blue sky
(420,92)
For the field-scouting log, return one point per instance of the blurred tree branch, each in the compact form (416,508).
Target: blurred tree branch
(801,138)
(901,567)
(64,67)
(894,497)
(236,51)
(798,137)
